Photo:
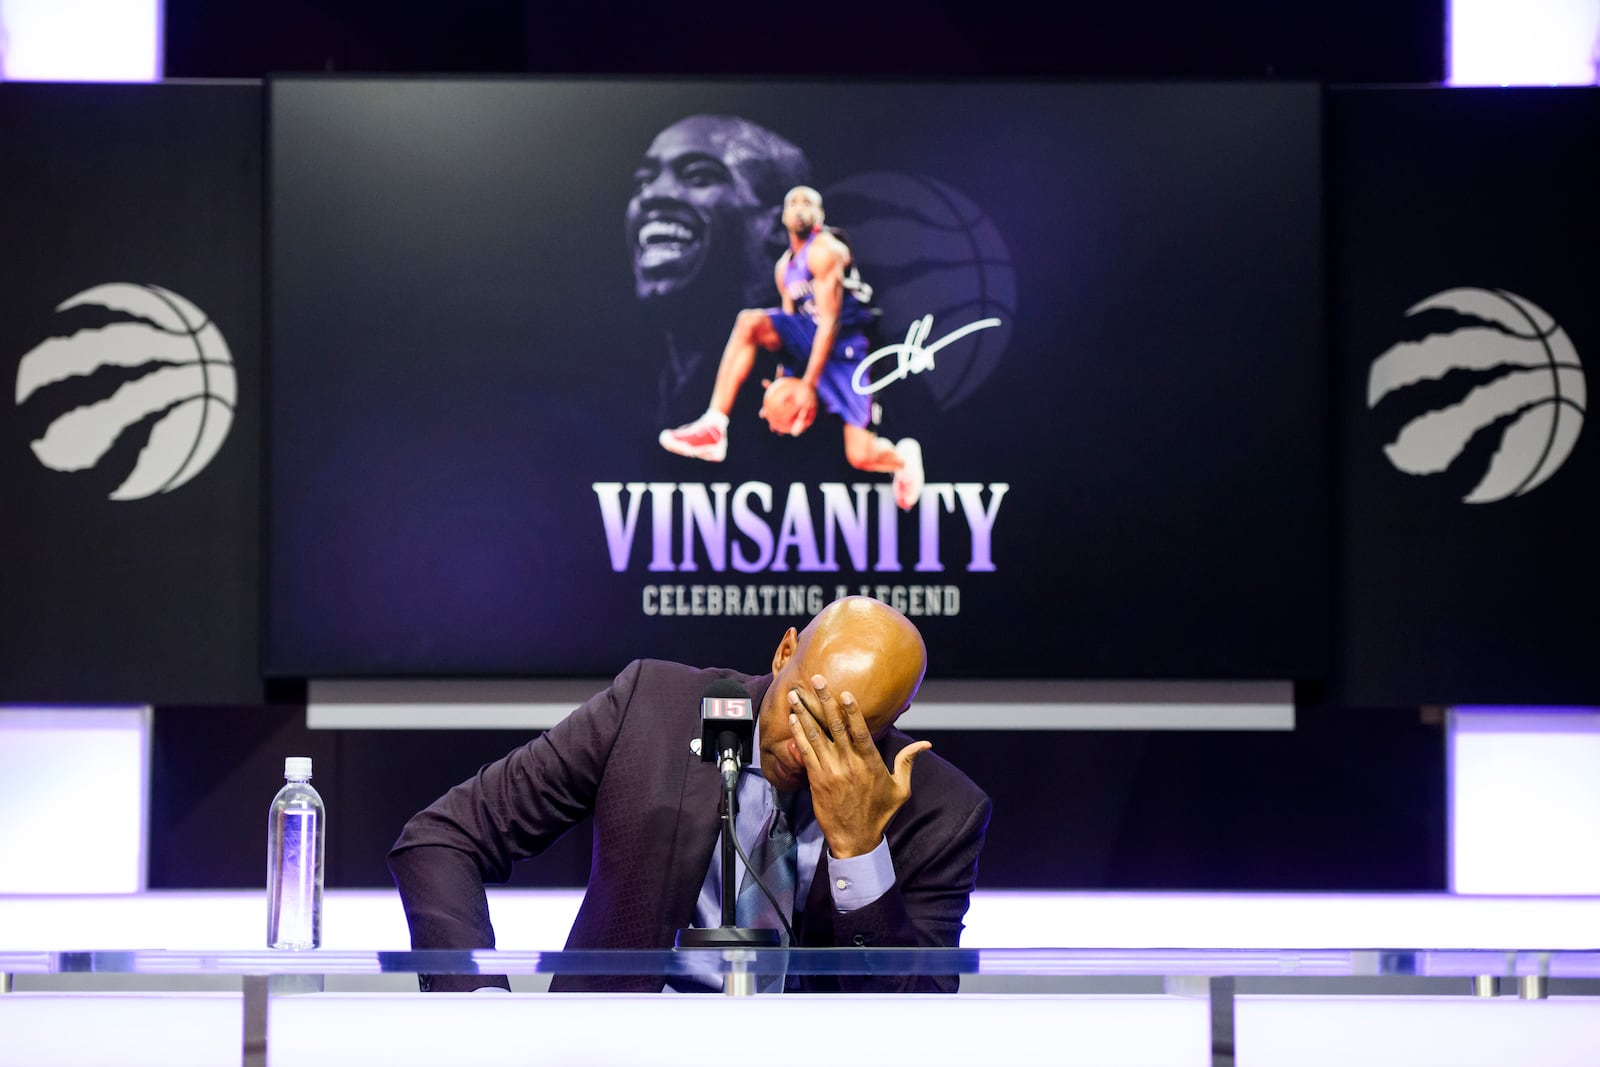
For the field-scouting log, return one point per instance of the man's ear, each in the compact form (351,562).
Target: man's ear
(786,649)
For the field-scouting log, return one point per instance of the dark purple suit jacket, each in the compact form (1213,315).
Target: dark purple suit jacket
(624,757)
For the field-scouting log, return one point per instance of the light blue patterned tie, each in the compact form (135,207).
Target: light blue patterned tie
(776,858)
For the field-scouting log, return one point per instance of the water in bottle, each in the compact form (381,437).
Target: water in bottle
(296,826)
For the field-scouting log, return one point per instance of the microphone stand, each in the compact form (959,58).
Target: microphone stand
(730,935)
(729,808)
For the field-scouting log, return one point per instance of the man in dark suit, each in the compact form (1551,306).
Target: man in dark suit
(896,849)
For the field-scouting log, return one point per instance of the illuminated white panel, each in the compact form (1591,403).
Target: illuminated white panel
(79,778)
(1002,919)
(929,1030)
(540,923)
(175,1030)
(1524,42)
(127,1029)
(1273,1031)
(538,919)
(1524,801)
(537,704)
(80,40)
(216,920)
(396,1029)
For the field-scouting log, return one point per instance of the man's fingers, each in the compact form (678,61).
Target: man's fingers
(902,761)
(807,722)
(855,721)
(800,725)
(832,715)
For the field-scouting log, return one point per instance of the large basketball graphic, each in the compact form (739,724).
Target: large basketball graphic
(936,265)
(168,373)
(1501,377)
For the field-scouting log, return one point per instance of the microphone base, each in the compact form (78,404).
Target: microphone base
(728,937)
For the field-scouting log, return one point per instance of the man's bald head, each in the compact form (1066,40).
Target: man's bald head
(861,646)
(866,647)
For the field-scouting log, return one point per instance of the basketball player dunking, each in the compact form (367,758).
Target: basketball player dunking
(823,321)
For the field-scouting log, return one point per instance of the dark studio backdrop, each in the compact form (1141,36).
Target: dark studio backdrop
(1352,799)
(1366,41)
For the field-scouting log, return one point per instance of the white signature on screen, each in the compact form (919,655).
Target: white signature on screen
(913,355)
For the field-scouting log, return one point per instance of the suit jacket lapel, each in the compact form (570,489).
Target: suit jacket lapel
(698,826)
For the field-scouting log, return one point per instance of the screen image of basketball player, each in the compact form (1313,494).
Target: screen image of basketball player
(1094,308)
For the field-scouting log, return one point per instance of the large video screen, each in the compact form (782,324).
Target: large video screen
(1072,420)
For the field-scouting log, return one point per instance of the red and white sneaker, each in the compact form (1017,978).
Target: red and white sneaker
(705,438)
(908,479)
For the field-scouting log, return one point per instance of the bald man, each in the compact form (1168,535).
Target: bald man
(888,832)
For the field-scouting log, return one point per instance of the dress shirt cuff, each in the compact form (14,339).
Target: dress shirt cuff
(859,880)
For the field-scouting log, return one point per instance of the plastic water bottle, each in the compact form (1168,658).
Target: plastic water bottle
(296,827)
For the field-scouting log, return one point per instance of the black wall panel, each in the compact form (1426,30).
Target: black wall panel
(1465,327)
(1350,801)
(130,459)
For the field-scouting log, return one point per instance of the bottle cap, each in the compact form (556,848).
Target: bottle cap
(297,767)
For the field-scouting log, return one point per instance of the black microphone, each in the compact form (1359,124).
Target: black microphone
(727,727)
